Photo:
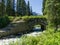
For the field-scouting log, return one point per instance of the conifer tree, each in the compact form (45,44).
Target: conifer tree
(43,9)
(9,7)
(18,7)
(31,12)
(21,7)
(13,7)
(28,11)
(2,7)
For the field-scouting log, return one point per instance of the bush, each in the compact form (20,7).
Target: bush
(4,21)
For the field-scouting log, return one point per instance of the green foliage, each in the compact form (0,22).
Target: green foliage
(32,17)
(37,25)
(46,38)
(2,7)
(28,9)
(21,7)
(11,18)
(9,8)
(51,8)
(16,18)
(4,21)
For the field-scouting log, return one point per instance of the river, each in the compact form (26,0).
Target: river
(6,41)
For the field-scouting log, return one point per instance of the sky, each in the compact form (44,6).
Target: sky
(36,5)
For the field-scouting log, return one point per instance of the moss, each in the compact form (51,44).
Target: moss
(33,17)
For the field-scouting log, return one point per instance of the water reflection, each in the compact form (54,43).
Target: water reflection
(37,29)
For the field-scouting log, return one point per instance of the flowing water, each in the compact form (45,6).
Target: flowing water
(36,31)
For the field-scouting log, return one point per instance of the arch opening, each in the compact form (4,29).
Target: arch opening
(37,27)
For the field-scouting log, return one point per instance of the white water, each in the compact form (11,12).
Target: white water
(6,41)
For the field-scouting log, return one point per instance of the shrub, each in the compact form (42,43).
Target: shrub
(4,21)
(11,18)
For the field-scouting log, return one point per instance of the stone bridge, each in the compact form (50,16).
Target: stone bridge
(37,21)
(22,26)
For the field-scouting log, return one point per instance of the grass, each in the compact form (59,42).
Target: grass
(25,17)
(33,17)
(46,38)
(14,17)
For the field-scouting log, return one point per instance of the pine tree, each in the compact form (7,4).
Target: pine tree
(28,11)
(44,2)
(2,7)
(19,7)
(23,7)
(13,7)
(31,12)
(9,7)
